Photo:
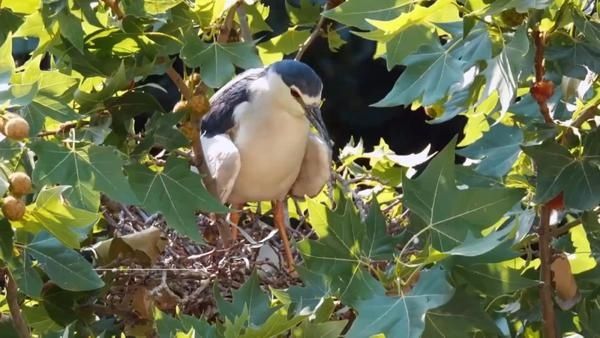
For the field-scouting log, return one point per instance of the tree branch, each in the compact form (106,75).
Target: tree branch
(185,91)
(545,235)
(313,35)
(13,306)
(244,26)
(541,90)
(225,29)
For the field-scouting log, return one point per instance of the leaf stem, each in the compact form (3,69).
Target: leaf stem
(13,305)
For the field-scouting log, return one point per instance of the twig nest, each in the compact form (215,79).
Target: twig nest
(16,128)
(13,208)
(20,184)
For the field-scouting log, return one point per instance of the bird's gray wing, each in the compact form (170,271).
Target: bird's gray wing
(315,169)
(219,119)
(222,159)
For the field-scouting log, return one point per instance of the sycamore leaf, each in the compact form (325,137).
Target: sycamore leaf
(402,316)
(28,279)
(344,246)
(429,74)
(277,324)
(306,13)
(448,213)
(462,316)
(249,296)
(283,44)
(503,71)
(51,213)
(407,42)
(175,192)
(578,177)
(89,169)
(574,58)
(65,267)
(43,107)
(497,150)
(216,60)
(356,12)
(493,279)
(70,28)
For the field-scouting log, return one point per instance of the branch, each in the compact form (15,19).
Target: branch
(63,128)
(541,90)
(313,35)
(225,29)
(185,91)
(13,305)
(244,26)
(545,235)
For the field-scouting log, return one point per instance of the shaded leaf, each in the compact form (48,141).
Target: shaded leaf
(448,213)
(65,267)
(175,192)
(250,297)
(493,279)
(402,316)
(578,177)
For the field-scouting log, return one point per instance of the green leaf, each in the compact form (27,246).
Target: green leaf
(493,280)
(344,247)
(578,177)
(257,15)
(97,168)
(162,130)
(175,192)
(10,23)
(283,44)
(65,267)
(429,74)
(450,214)
(497,150)
(277,324)
(249,296)
(6,240)
(356,12)
(42,108)
(38,318)
(70,28)
(332,328)
(503,71)
(407,42)
(402,316)
(27,278)
(462,316)
(52,213)
(216,60)
(307,13)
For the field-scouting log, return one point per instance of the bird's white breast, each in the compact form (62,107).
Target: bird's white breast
(271,143)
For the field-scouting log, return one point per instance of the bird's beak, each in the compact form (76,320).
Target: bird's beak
(314,116)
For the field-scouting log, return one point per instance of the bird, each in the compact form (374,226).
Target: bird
(258,144)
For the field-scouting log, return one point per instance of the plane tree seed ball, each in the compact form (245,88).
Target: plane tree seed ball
(16,128)
(20,184)
(13,208)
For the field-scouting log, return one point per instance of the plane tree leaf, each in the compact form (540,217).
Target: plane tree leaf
(65,267)
(356,12)
(217,61)
(345,247)
(402,316)
(88,169)
(577,176)
(497,150)
(175,192)
(52,213)
(449,213)
(250,297)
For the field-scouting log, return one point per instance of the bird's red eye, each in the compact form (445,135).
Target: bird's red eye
(295,93)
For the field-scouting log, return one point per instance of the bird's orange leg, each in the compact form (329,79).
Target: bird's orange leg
(280,223)
(234,219)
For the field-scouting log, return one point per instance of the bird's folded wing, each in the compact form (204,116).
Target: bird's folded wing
(315,169)
(222,159)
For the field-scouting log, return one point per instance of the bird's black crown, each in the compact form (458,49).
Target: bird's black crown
(299,74)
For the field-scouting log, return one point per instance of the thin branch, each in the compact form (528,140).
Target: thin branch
(540,84)
(545,235)
(185,91)
(65,127)
(313,35)
(244,26)
(13,306)
(225,30)
(586,115)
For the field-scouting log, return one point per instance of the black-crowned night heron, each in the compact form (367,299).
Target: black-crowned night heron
(257,140)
